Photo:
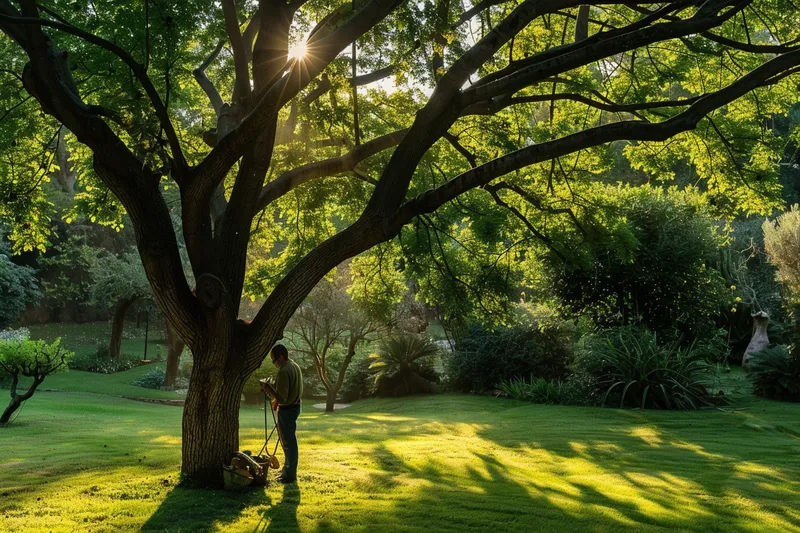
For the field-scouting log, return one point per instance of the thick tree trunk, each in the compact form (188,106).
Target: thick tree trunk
(211,417)
(118,324)
(174,350)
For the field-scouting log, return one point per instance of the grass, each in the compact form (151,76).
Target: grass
(85,338)
(88,462)
(116,384)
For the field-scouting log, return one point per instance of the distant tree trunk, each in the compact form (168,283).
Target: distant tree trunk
(333,389)
(117,326)
(759,341)
(330,401)
(65,175)
(174,350)
(17,399)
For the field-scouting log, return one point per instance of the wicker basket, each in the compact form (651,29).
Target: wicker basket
(236,478)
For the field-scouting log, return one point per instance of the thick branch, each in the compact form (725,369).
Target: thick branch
(626,130)
(291,179)
(242,87)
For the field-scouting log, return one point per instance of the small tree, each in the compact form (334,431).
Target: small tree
(22,357)
(119,281)
(328,320)
(782,242)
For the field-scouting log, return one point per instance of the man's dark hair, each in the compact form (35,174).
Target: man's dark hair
(279,350)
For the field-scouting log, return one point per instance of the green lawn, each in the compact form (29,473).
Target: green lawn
(85,338)
(85,462)
(116,384)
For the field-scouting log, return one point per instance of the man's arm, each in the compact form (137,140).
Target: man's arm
(269,389)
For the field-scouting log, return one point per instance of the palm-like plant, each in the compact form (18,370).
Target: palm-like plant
(775,373)
(402,358)
(649,375)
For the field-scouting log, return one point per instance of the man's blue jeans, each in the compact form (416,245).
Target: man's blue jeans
(287,425)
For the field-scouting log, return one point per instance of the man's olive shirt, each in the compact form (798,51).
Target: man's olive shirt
(290,383)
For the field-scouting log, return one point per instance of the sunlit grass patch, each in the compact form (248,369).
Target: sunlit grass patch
(80,462)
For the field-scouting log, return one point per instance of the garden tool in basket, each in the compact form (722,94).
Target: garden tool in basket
(270,460)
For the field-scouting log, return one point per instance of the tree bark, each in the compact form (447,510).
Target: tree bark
(331,400)
(210,420)
(174,350)
(117,326)
(17,399)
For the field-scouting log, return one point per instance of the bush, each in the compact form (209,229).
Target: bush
(577,389)
(482,358)
(631,367)
(155,380)
(101,363)
(252,386)
(359,381)
(652,265)
(775,373)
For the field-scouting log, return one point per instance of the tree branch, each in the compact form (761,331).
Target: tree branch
(338,165)
(241,66)
(205,83)
(138,70)
(625,130)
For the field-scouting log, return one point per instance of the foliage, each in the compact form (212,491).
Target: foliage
(118,277)
(18,288)
(21,357)
(154,379)
(484,357)
(631,366)
(576,389)
(66,272)
(252,385)
(102,363)
(402,364)
(30,358)
(331,325)
(654,266)
(782,242)
(775,373)
(359,381)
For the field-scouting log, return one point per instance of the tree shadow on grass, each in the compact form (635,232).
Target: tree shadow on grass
(201,511)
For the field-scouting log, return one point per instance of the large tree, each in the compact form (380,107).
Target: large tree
(518,99)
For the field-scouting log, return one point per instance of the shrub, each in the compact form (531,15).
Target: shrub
(633,368)
(154,379)
(575,390)
(252,386)
(484,358)
(775,373)
(359,382)
(101,363)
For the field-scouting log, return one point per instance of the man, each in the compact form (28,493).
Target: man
(287,393)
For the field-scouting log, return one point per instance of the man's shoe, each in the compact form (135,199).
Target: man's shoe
(282,478)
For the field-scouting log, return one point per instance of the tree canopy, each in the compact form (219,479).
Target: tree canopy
(432,137)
